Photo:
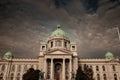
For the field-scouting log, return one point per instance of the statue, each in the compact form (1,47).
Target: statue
(41,75)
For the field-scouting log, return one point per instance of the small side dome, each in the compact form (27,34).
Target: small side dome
(109,55)
(59,32)
(8,55)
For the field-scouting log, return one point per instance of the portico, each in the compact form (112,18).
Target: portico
(58,68)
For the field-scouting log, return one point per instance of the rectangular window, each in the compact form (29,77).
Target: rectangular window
(43,47)
(113,67)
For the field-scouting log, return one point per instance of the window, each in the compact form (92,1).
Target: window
(51,44)
(115,77)
(3,67)
(73,47)
(18,76)
(48,70)
(97,68)
(19,68)
(1,76)
(65,44)
(32,66)
(113,66)
(103,67)
(11,76)
(98,76)
(90,67)
(36,66)
(43,47)
(25,68)
(58,43)
(13,68)
(104,77)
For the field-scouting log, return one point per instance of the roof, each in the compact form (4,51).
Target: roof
(59,32)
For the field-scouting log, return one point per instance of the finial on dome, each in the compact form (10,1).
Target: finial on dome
(58,26)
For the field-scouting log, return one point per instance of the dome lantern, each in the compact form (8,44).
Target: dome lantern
(58,33)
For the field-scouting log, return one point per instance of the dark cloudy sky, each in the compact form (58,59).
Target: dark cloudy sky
(90,23)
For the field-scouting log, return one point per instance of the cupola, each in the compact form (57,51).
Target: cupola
(109,55)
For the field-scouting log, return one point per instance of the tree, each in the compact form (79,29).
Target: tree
(85,74)
(31,74)
(89,72)
(80,75)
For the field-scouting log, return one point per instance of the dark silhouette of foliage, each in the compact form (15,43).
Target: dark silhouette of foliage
(84,74)
(31,74)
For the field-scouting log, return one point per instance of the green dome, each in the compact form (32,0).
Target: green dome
(58,32)
(8,55)
(109,55)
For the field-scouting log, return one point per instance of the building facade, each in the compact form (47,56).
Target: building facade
(58,59)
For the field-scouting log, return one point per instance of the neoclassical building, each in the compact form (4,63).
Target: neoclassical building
(58,58)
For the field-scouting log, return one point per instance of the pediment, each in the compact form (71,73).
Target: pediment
(58,51)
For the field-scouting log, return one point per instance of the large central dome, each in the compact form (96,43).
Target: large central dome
(59,33)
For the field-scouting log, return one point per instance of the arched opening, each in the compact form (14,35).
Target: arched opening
(1,76)
(18,76)
(11,76)
(58,71)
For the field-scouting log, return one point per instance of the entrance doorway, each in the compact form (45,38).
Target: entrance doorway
(58,71)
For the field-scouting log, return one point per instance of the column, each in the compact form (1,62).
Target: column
(70,68)
(51,74)
(45,68)
(63,70)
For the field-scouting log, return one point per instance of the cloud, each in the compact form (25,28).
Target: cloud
(23,24)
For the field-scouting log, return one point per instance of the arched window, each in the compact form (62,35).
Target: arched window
(97,68)
(18,76)
(11,76)
(98,76)
(32,66)
(115,77)
(104,77)
(3,67)
(90,67)
(19,68)
(1,76)
(25,68)
(58,43)
(13,68)
(36,66)
(43,47)
(51,44)
(103,67)
(65,44)
(113,66)
(73,47)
